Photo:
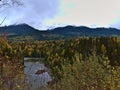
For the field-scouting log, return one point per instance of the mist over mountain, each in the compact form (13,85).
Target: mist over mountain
(67,32)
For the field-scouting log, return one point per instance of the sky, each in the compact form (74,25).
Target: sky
(47,14)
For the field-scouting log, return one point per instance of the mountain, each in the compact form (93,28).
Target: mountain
(21,29)
(86,31)
(25,31)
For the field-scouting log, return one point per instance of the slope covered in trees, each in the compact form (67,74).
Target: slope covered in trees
(82,63)
(23,32)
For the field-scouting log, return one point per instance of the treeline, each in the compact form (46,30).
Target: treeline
(67,49)
(83,63)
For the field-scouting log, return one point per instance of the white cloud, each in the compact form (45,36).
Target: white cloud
(88,12)
(33,12)
(51,13)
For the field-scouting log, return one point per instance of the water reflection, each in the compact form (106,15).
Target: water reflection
(36,74)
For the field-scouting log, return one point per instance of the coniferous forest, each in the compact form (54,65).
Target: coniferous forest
(84,63)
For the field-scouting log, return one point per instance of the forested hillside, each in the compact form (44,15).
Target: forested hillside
(82,63)
(25,32)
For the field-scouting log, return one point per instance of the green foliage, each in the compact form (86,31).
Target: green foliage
(90,74)
(78,64)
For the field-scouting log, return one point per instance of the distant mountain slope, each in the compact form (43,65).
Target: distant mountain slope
(21,29)
(85,31)
(66,32)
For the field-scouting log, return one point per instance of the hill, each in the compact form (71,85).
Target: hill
(24,31)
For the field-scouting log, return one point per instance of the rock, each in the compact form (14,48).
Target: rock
(40,72)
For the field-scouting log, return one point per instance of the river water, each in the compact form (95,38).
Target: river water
(36,81)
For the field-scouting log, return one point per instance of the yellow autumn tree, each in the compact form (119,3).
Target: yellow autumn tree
(103,49)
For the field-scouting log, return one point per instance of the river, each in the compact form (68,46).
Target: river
(36,74)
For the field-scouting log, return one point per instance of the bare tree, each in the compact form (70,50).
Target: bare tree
(9,3)
(2,21)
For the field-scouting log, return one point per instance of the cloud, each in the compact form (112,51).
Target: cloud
(33,12)
(87,12)
(44,14)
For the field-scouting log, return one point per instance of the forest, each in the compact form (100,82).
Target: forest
(77,58)
(84,63)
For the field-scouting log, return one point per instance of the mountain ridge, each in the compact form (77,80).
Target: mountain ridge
(65,32)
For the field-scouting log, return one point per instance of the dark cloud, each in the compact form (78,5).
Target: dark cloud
(33,12)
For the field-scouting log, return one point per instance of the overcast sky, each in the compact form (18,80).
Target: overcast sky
(43,14)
